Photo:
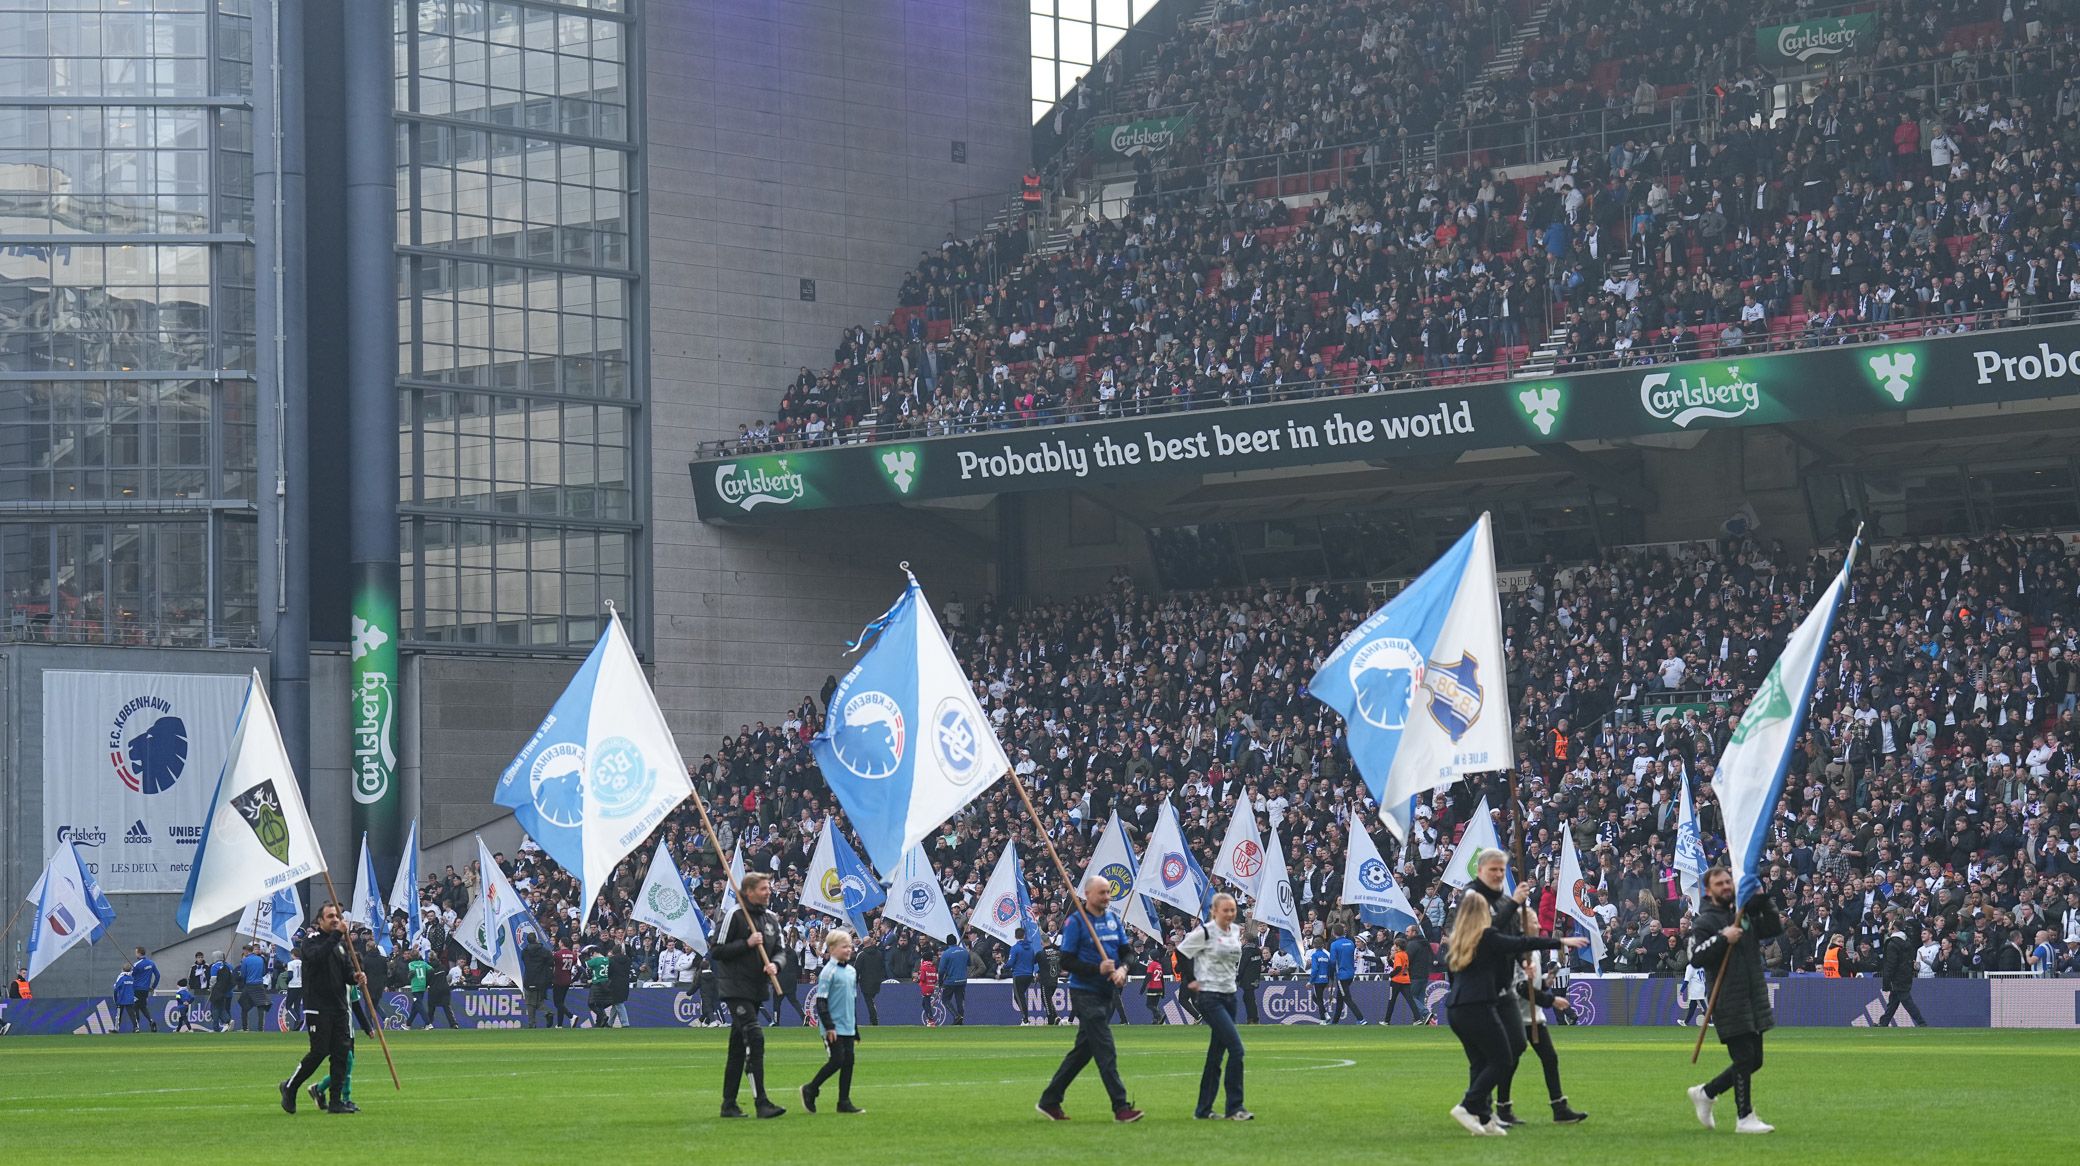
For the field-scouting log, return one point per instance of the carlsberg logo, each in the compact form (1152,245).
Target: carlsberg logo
(748,486)
(1696,395)
(1142,138)
(1803,42)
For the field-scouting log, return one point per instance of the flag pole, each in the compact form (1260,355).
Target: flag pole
(1711,1000)
(11,918)
(375,1007)
(709,828)
(1047,840)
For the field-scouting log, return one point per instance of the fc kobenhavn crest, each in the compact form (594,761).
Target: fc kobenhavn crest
(1455,694)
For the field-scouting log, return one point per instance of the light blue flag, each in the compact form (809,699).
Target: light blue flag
(1690,864)
(1113,857)
(666,902)
(907,745)
(404,893)
(1420,684)
(837,883)
(274,919)
(367,907)
(69,907)
(1004,905)
(602,770)
(1750,778)
(1169,873)
(1368,883)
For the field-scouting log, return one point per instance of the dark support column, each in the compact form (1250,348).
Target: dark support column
(371,322)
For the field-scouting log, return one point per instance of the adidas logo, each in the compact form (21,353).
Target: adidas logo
(1895,373)
(99,1022)
(137,834)
(1542,406)
(1874,1011)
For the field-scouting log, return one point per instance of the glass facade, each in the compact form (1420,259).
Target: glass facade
(520,330)
(128,470)
(1069,36)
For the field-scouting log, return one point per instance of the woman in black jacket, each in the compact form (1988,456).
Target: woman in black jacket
(1482,961)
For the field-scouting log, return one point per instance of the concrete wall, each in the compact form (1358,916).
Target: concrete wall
(467,717)
(791,141)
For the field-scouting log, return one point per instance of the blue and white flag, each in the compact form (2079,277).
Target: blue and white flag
(907,745)
(1368,883)
(1241,857)
(497,920)
(1750,779)
(366,907)
(838,884)
(666,903)
(69,907)
(602,770)
(404,893)
(274,920)
(917,901)
(1113,858)
(1169,874)
(1573,895)
(1420,684)
(736,879)
(1276,904)
(1690,864)
(258,837)
(1004,905)
(1479,835)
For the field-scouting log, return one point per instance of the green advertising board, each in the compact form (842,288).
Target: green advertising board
(1816,42)
(372,711)
(1975,368)
(1150,136)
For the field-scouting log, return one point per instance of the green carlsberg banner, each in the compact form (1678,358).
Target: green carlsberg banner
(1816,42)
(1128,138)
(372,707)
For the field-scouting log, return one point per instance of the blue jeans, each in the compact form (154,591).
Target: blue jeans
(1218,1010)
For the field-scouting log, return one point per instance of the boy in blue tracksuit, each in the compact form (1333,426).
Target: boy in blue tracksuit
(125,996)
(953,980)
(837,987)
(1321,969)
(1020,964)
(1343,952)
(183,1013)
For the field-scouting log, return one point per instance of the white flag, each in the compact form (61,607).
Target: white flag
(1573,895)
(1276,904)
(666,903)
(1367,880)
(1241,858)
(1689,847)
(917,901)
(366,907)
(1004,907)
(69,907)
(1479,835)
(1113,858)
(497,919)
(736,879)
(1169,874)
(404,893)
(258,838)
(274,920)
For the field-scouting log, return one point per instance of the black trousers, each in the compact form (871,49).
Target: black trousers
(1399,992)
(839,1064)
(1746,1051)
(1047,988)
(138,1017)
(1020,985)
(1512,1018)
(1093,1012)
(1248,992)
(956,998)
(873,1016)
(1549,1059)
(331,1040)
(747,1051)
(1904,998)
(1346,1003)
(1489,1054)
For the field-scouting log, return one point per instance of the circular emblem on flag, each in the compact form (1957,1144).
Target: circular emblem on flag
(667,900)
(1285,898)
(1121,878)
(1385,676)
(1173,870)
(869,738)
(1580,891)
(1005,912)
(919,895)
(557,783)
(1372,874)
(1248,859)
(957,741)
(833,887)
(148,745)
(621,782)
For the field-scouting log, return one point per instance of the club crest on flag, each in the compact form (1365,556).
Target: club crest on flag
(1173,869)
(1006,910)
(1120,876)
(920,895)
(1580,891)
(261,808)
(1770,705)
(668,901)
(1455,694)
(556,782)
(833,887)
(955,738)
(60,919)
(1386,675)
(870,747)
(1249,859)
(621,783)
(1372,874)
(1285,897)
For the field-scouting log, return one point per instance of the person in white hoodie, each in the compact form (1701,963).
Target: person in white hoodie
(1215,949)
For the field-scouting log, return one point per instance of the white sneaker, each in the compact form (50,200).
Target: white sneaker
(1494,1129)
(1753,1125)
(1703,1103)
(1471,1123)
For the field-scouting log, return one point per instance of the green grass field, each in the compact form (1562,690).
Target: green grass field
(966,1095)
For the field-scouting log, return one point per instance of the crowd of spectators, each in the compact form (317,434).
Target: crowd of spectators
(1939,774)
(1927,189)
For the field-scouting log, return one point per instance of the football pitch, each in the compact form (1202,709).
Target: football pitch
(966,1094)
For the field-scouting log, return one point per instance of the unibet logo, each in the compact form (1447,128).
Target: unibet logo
(746,486)
(1542,406)
(900,465)
(1895,373)
(1696,395)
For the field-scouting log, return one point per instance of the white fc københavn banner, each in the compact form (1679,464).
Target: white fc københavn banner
(129,762)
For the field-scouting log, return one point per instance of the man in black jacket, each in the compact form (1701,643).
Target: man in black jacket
(744,970)
(871,966)
(536,970)
(1726,942)
(326,973)
(1250,973)
(1896,972)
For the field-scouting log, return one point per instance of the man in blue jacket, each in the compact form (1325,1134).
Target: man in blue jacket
(145,975)
(1321,970)
(253,996)
(125,996)
(1090,953)
(953,980)
(1020,964)
(1343,952)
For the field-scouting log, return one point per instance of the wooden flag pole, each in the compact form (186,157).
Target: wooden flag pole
(1711,1000)
(709,827)
(11,918)
(375,1007)
(1047,840)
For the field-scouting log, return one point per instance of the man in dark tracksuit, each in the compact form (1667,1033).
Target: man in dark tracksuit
(872,966)
(1249,975)
(1096,975)
(1726,942)
(1050,969)
(1896,972)
(325,977)
(744,971)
